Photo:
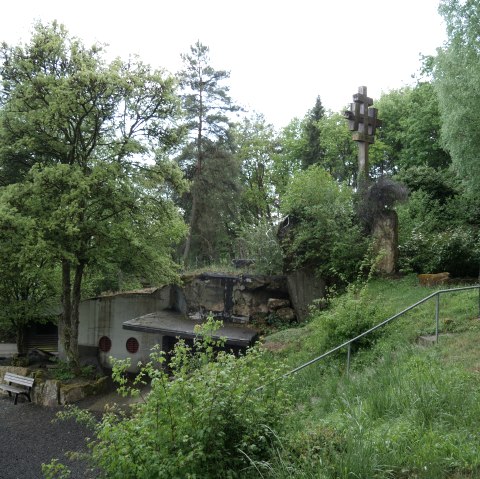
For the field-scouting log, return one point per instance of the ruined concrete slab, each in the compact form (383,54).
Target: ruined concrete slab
(171,323)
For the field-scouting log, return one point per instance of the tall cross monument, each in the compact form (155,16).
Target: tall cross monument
(362,121)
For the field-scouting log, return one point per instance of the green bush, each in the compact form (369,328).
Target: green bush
(349,316)
(206,420)
(259,242)
(322,232)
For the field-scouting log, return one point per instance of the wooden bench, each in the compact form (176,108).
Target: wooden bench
(23,381)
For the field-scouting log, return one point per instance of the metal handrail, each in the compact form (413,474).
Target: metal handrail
(383,323)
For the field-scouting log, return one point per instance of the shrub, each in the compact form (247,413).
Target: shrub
(207,420)
(351,315)
(323,233)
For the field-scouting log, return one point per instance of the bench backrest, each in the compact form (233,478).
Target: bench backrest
(17,379)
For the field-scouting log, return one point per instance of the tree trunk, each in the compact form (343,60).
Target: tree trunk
(193,219)
(70,317)
(21,339)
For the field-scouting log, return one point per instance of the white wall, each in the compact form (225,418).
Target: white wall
(104,316)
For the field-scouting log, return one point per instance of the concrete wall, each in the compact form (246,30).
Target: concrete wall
(105,315)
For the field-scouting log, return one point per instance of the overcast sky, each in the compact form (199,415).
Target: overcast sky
(281,53)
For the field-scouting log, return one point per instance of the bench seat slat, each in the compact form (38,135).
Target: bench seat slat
(15,378)
(20,381)
(12,389)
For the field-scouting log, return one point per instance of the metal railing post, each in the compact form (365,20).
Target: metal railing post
(437,316)
(349,350)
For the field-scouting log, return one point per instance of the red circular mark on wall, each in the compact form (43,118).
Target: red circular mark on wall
(132,345)
(105,344)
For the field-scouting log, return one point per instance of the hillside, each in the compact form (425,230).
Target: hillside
(405,410)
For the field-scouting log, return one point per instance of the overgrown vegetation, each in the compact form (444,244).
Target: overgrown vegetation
(205,419)
(404,411)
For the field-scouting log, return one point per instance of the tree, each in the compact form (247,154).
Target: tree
(207,105)
(256,149)
(410,133)
(70,127)
(339,150)
(288,160)
(322,232)
(456,75)
(313,151)
(28,282)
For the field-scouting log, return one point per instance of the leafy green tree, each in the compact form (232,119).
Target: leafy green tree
(456,77)
(28,282)
(339,150)
(410,134)
(323,233)
(70,127)
(207,107)
(288,160)
(256,149)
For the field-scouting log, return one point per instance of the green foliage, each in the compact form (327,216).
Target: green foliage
(63,371)
(55,470)
(412,417)
(456,76)
(207,420)
(350,315)
(312,153)
(323,232)
(438,231)
(256,150)
(259,242)
(81,129)
(403,411)
(28,278)
(339,150)
(410,133)
(206,156)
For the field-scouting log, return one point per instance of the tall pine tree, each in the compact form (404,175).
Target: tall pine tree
(207,158)
(313,152)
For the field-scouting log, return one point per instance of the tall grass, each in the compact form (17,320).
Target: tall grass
(404,411)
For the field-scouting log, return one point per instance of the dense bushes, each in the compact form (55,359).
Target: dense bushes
(322,231)
(210,421)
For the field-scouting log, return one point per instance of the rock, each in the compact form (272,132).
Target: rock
(46,393)
(385,234)
(275,303)
(433,279)
(286,314)
(74,392)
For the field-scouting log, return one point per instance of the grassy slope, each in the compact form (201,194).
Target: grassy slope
(405,410)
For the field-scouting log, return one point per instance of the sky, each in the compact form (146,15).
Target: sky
(281,54)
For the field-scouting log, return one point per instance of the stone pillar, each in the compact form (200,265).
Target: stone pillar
(304,287)
(385,235)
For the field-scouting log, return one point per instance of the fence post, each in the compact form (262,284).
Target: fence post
(437,316)
(349,347)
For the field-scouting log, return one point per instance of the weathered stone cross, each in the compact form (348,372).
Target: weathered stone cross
(363,122)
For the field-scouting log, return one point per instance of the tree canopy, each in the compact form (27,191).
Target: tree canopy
(75,133)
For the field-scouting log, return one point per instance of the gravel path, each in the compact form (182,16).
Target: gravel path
(29,438)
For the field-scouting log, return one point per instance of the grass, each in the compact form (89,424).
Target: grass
(405,411)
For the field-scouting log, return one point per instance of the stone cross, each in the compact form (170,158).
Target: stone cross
(363,122)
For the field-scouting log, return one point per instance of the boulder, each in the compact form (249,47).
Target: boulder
(275,303)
